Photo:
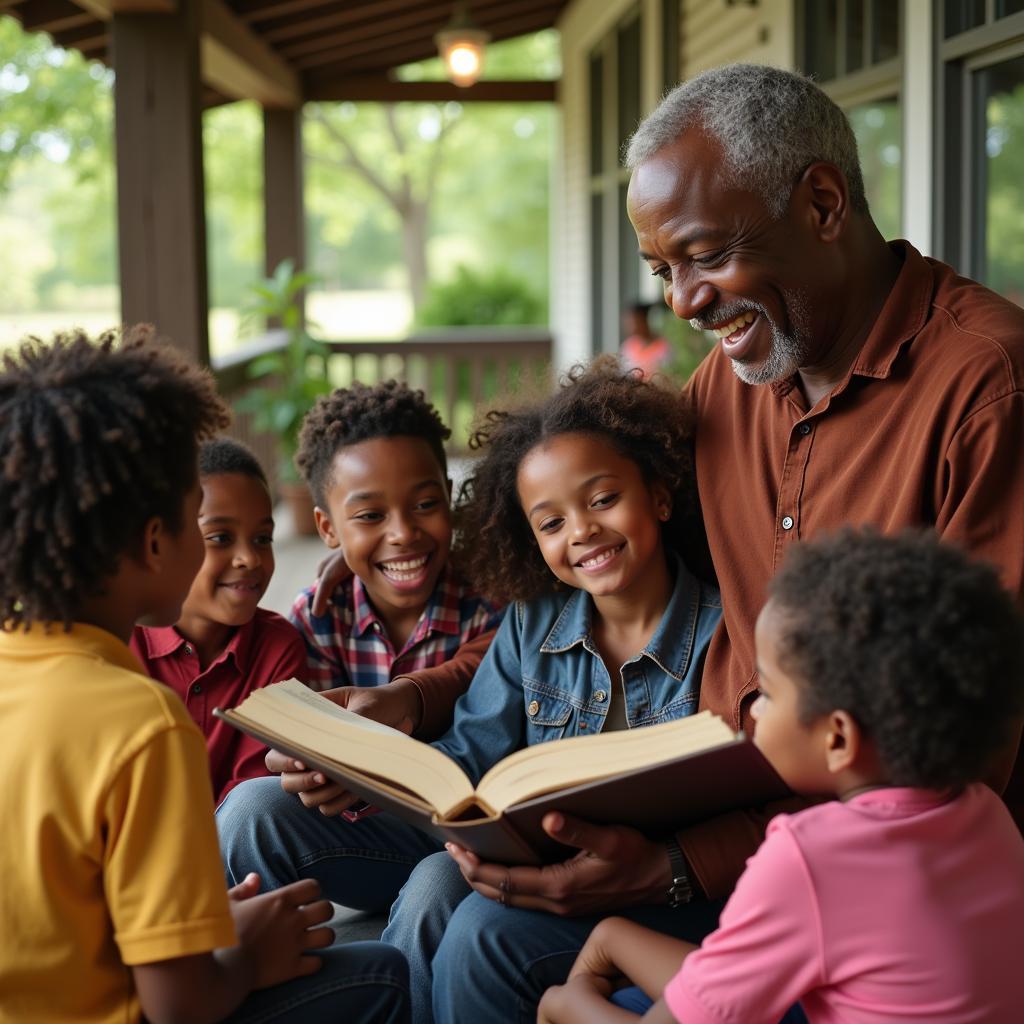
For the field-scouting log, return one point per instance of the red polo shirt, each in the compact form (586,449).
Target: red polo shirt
(265,650)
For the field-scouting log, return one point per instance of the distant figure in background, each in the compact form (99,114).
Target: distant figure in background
(643,349)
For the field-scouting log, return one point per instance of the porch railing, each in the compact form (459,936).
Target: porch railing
(462,372)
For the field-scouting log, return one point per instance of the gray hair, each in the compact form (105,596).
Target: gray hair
(771,125)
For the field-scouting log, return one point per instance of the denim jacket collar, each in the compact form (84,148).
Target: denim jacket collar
(671,644)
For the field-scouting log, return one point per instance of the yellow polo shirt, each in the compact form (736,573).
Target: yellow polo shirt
(109,854)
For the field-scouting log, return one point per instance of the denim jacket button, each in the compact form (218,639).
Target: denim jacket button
(532,708)
(600,696)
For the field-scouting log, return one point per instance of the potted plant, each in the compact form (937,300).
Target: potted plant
(294,377)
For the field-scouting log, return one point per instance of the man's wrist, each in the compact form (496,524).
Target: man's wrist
(682,889)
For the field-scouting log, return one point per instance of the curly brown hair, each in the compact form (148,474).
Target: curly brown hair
(361,413)
(96,439)
(644,420)
(920,644)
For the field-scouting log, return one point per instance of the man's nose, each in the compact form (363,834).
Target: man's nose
(687,295)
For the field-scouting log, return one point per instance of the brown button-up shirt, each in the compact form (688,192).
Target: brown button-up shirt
(926,429)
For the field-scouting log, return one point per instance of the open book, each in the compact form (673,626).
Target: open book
(655,778)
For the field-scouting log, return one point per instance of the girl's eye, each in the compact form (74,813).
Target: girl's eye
(604,500)
(428,505)
(265,539)
(549,525)
(217,538)
(368,517)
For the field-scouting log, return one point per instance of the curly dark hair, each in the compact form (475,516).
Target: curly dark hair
(921,645)
(226,455)
(96,439)
(361,413)
(644,420)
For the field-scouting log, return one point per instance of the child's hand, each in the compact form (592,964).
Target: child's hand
(575,1000)
(277,929)
(597,957)
(331,571)
(313,788)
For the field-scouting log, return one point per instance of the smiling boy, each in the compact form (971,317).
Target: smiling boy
(374,460)
(223,646)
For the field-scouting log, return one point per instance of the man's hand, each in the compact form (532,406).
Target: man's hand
(397,704)
(276,929)
(332,571)
(616,867)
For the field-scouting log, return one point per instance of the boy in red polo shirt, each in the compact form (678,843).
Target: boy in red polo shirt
(223,646)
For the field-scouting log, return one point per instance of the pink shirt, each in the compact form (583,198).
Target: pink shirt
(895,906)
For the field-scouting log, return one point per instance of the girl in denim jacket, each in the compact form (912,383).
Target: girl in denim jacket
(578,512)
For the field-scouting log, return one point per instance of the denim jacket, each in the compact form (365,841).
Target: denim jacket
(543,679)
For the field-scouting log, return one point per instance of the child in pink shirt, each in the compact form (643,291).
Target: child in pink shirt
(891,676)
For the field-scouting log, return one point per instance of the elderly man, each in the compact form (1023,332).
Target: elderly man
(855,381)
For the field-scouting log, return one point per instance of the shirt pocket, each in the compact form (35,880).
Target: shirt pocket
(547,713)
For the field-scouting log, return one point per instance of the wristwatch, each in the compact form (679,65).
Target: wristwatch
(680,892)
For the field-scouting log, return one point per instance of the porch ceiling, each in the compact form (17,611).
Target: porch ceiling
(281,52)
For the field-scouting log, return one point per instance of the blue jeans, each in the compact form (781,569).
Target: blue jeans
(359,864)
(365,981)
(471,959)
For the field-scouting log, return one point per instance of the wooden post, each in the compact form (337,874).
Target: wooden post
(283,205)
(161,217)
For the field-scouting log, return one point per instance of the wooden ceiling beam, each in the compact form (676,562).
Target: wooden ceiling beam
(106,9)
(381,89)
(236,62)
(369,23)
(392,56)
(253,11)
(418,20)
(53,15)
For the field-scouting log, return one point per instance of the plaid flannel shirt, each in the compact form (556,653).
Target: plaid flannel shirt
(349,646)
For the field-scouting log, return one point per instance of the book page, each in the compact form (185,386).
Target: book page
(298,714)
(548,767)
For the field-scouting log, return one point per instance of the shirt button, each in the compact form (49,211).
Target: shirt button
(804,428)
(532,708)
(196,688)
(600,696)
(188,648)
(787,522)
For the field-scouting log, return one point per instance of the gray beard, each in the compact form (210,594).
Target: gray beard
(788,351)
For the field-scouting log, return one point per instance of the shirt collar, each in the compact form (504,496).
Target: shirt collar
(672,642)
(163,641)
(41,640)
(441,614)
(903,315)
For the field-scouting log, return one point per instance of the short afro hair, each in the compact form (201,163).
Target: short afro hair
(645,420)
(921,645)
(225,455)
(96,439)
(361,413)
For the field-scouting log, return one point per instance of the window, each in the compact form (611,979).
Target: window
(615,110)
(852,47)
(980,201)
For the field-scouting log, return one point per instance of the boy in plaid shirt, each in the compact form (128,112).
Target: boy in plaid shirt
(374,460)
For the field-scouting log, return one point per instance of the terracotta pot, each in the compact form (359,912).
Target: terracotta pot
(300,505)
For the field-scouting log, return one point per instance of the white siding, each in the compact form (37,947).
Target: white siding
(713,34)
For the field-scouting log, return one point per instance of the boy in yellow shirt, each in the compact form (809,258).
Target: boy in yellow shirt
(113,902)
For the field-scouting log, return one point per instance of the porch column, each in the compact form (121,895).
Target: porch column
(283,204)
(158,134)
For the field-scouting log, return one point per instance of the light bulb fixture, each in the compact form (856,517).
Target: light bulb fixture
(461,46)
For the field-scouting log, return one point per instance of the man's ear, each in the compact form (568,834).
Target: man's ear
(325,528)
(828,197)
(843,739)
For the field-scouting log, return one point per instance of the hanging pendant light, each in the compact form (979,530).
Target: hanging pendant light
(461,46)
